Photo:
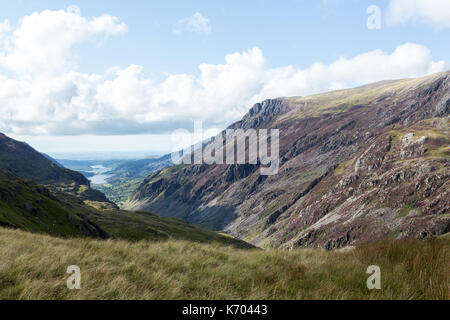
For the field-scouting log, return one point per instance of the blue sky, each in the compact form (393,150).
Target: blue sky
(290,32)
(145,78)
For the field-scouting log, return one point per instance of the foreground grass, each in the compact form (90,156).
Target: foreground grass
(34,267)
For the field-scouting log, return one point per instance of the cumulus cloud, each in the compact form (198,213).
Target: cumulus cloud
(434,12)
(195,23)
(42,93)
(43,41)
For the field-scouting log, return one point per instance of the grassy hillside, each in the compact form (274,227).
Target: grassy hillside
(34,267)
(27,206)
(119,191)
(24,162)
(27,163)
(341,100)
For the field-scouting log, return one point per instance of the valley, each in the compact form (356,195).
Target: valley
(345,177)
(225,154)
(100,175)
(117,178)
(60,202)
(364,179)
(356,166)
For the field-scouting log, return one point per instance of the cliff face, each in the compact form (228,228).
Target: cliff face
(355,165)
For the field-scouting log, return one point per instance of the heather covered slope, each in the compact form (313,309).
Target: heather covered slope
(356,165)
(398,187)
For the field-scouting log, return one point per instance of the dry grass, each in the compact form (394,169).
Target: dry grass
(34,267)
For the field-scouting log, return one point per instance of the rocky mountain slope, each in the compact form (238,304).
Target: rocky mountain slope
(355,165)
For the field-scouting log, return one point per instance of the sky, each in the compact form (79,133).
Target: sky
(121,76)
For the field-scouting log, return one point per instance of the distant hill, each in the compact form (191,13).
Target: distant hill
(141,167)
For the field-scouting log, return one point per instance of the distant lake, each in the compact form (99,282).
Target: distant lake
(99,176)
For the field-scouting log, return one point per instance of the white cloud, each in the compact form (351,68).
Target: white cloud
(434,12)
(195,23)
(43,41)
(43,94)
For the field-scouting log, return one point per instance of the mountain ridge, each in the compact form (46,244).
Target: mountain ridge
(24,161)
(318,134)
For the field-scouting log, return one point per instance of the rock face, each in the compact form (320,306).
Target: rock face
(355,165)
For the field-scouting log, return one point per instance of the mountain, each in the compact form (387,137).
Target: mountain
(141,167)
(27,163)
(356,165)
